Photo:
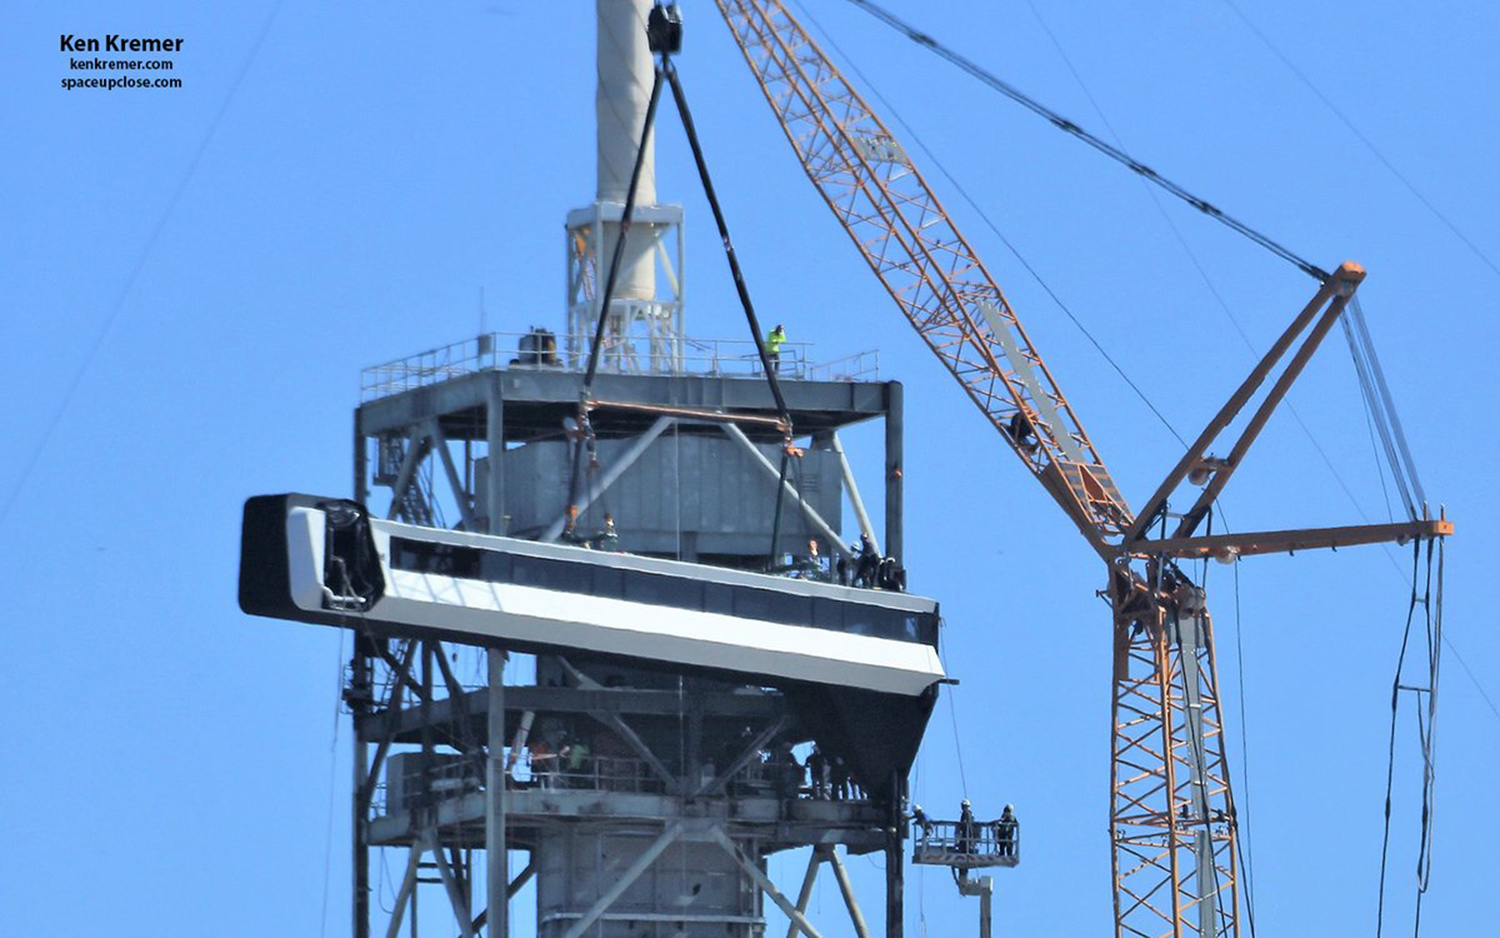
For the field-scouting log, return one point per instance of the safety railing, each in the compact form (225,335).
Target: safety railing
(592,773)
(956,844)
(544,350)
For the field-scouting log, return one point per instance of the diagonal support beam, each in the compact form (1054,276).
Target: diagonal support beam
(522,878)
(1346,280)
(764,882)
(631,874)
(861,930)
(852,488)
(1228,412)
(367,790)
(416,446)
(749,752)
(616,723)
(408,883)
(813,518)
(633,739)
(460,494)
(456,896)
(809,880)
(610,476)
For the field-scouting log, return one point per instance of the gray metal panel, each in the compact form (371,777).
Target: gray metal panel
(693,889)
(684,483)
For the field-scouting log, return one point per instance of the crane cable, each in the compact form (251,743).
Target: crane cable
(1376,391)
(1432,606)
(989,223)
(1381,410)
(667,71)
(1241,830)
(1113,152)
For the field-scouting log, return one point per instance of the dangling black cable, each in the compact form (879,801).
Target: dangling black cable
(776,519)
(734,264)
(1390,770)
(626,217)
(585,427)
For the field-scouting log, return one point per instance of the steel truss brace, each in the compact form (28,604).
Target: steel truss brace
(515,885)
(1331,298)
(427,842)
(753,870)
(608,478)
(615,722)
(813,518)
(750,751)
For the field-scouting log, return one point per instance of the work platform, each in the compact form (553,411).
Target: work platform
(960,846)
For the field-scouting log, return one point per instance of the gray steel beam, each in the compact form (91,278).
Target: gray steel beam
(863,516)
(360,677)
(461,819)
(813,518)
(827,403)
(522,878)
(765,884)
(895,459)
(455,892)
(460,494)
(408,883)
(750,752)
(416,444)
(610,475)
(861,930)
(895,877)
(804,897)
(984,888)
(494,435)
(494,807)
(633,739)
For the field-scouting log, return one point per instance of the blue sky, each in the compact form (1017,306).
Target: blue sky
(168,761)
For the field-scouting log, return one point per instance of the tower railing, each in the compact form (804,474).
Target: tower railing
(538,349)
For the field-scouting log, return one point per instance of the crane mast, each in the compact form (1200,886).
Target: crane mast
(1172,818)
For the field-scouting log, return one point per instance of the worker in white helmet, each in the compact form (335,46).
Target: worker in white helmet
(964,841)
(1005,832)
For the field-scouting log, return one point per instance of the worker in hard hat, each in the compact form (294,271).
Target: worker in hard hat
(867,568)
(774,340)
(1005,832)
(921,820)
(964,842)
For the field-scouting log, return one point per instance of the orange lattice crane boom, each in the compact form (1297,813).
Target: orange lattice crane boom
(1172,820)
(917,252)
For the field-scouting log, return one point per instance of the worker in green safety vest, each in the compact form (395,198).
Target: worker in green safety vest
(773,346)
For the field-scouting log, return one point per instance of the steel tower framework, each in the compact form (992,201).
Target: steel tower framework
(433,748)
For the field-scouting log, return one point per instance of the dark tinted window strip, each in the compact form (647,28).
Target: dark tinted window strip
(472,563)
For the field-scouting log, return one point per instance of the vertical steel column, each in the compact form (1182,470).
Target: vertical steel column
(498,909)
(895,879)
(494,435)
(360,677)
(895,457)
